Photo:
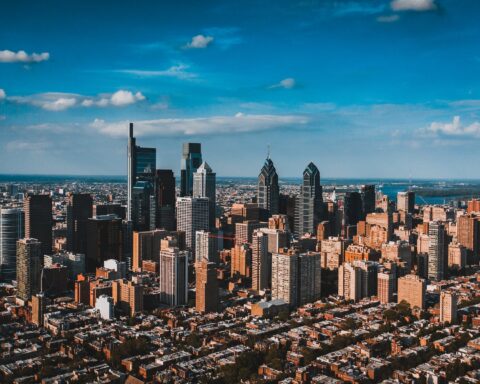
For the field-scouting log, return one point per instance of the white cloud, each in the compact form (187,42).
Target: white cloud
(413,5)
(3,95)
(199,41)
(122,97)
(60,104)
(287,83)
(179,71)
(388,18)
(201,125)
(454,128)
(7,56)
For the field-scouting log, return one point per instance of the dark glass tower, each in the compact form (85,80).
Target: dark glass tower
(79,210)
(268,196)
(191,160)
(309,203)
(165,199)
(39,221)
(142,163)
(368,199)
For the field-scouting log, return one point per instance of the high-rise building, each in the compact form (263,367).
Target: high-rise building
(332,251)
(385,286)
(260,261)
(192,216)
(109,209)
(368,198)
(350,282)
(468,235)
(285,277)
(146,246)
(268,192)
(104,234)
(11,230)
(191,160)
(309,204)
(352,208)
(473,206)
(244,231)
(411,289)
(79,210)
(38,309)
(39,221)
(448,307)
(204,185)
(143,206)
(128,296)
(173,276)
(241,261)
(74,262)
(206,294)
(205,247)
(457,255)
(406,201)
(104,305)
(165,201)
(141,167)
(309,274)
(279,222)
(436,251)
(54,280)
(29,268)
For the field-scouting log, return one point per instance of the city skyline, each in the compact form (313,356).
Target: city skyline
(362,89)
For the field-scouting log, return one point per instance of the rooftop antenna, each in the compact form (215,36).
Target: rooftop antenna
(268,151)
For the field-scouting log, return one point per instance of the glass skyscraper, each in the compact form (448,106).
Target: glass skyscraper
(191,160)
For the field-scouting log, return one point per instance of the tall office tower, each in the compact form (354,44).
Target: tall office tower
(411,288)
(436,251)
(368,198)
(205,247)
(309,274)
(309,203)
(192,216)
(368,273)
(268,195)
(11,230)
(260,261)
(285,277)
(128,296)
(54,280)
(206,287)
(110,209)
(473,206)
(468,235)
(38,309)
(350,282)
(79,210)
(143,206)
(448,307)
(244,231)
(146,246)
(173,276)
(165,202)
(352,208)
(385,286)
(241,261)
(38,220)
(29,268)
(204,185)
(457,255)
(191,160)
(323,230)
(406,201)
(104,241)
(142,163)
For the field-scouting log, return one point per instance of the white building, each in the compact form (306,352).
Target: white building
(104,305)
(192,216)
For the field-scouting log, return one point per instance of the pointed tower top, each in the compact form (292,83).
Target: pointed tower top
(131,130)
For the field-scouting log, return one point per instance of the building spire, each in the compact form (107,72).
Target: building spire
(268,151)
(131,130)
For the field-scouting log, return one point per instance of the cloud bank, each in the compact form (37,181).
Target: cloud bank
(199,41)
(413,5)
(7,56)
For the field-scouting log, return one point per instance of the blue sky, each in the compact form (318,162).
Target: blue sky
(361,88)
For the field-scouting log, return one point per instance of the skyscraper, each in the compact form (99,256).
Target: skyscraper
(206,287)
(104,242)
(368,198)
(385,286)
(141,167)
(448,307)
(146,246)
(205,246)
(352,208)
(165,201)
(411,289)
(38,220)
(204,185)
(191,160)
(260,261)
(309,274)
(406,201)
(173,276)
(349,282)
(268,192)
(468,235)
(128,296)
(29,268)
(309,204)
(79,210)
(285,277)
(144,207)
(436,251)
(11,230)
(192,216)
